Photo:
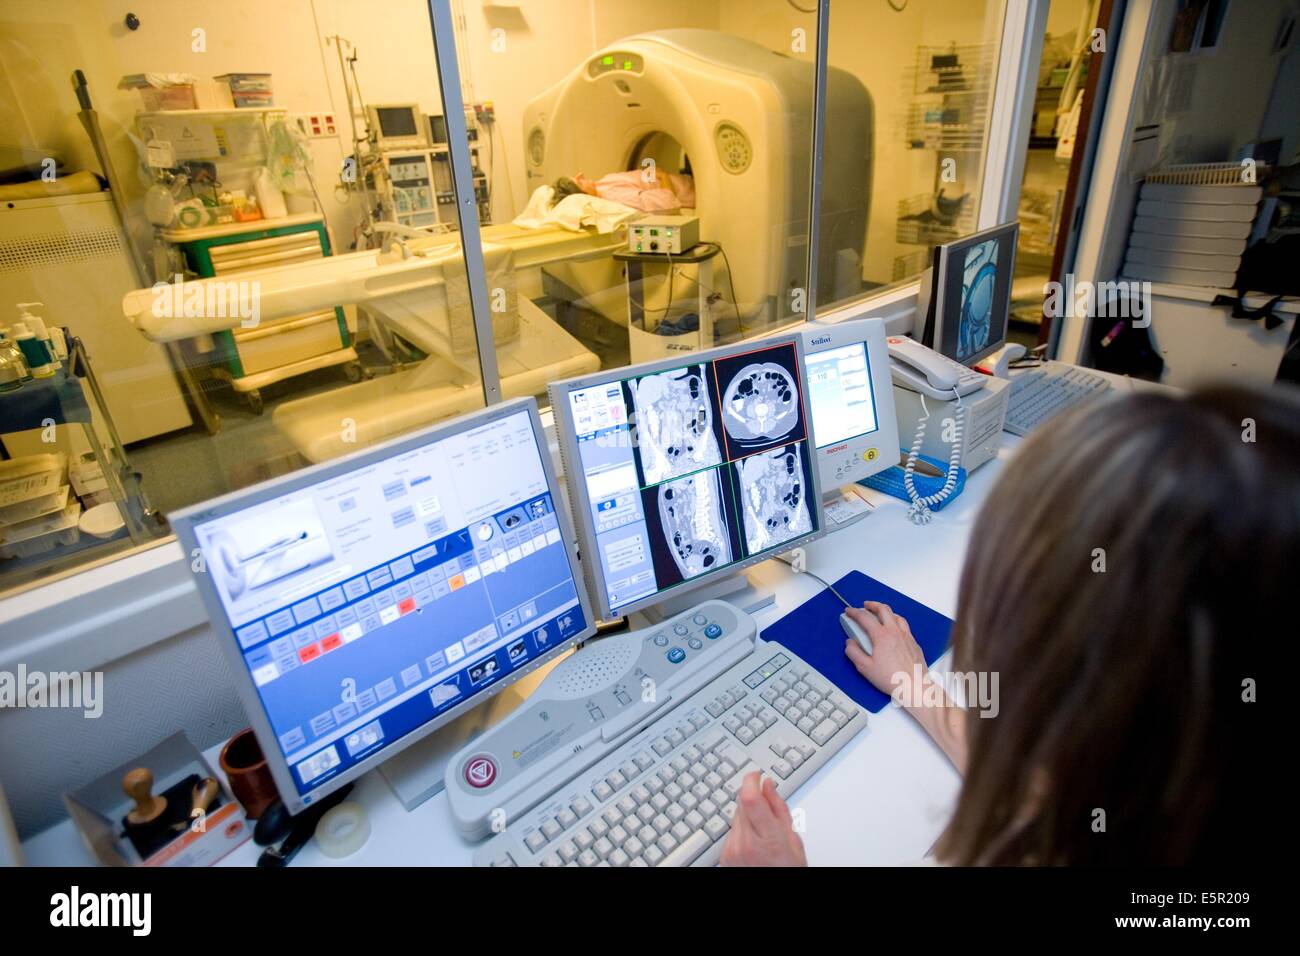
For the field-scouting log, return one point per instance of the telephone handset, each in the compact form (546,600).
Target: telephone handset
(922,370)
(919,369)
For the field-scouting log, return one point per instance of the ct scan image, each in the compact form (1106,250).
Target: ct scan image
(761,405)
(774,489)
(693,516)
(675,423)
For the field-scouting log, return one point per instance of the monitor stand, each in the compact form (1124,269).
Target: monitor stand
(419,771)
(844,507)
(740,590)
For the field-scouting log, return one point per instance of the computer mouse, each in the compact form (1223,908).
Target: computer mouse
(855,631)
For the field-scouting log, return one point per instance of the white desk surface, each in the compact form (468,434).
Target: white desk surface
(882,800)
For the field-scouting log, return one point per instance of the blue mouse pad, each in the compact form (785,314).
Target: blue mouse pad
(813,631)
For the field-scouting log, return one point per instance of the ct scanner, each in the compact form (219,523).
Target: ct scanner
(737,112)
(742,116)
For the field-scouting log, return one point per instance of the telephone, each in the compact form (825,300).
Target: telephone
(923,370)
(917,369)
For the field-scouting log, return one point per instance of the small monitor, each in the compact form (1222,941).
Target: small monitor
(851,400)
(397,126)
(687,469)
(970,299)
(437,130)
(365,602)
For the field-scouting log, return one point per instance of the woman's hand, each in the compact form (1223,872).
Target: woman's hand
(894,649)
(762,833)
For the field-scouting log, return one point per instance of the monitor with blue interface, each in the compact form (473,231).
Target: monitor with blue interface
(687,468)
(971,294)
(367,601)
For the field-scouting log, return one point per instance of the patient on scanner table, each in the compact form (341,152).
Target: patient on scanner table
(637,188)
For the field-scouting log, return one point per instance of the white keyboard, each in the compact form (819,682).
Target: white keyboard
(666,796)
(1041,394)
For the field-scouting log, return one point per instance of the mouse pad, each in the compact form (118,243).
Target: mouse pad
(813,631)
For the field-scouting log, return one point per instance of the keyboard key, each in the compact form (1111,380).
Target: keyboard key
(633,848)
(645,813)
(716,827)
(653,855)
(648,834)
(689,850)
(675,813)
(588,858)
(661,824)
(659,802)
(568,850)
(694,820)
(745,735)
(662,746)
(681,831)
(535,841)
(567,818)
(616,780)
(551,829)
(603,791)
(824,732)
(552,860)
(603,848)
(619,858)
(612,815)
(714,708)
(598,828)
(629,770)
(627,805)
(782,769)
(580,806)
(643,761)
(640,793)
(584,839)
(638,861)
(617,835)
(667,843)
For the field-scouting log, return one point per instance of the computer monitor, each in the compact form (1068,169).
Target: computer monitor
(397,126)
(437,130)
(687,469)
(365,602)
(970,295)
(851,400)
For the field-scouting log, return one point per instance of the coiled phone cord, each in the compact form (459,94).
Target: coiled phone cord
(920,512)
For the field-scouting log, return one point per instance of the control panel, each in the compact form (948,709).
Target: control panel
(590,704)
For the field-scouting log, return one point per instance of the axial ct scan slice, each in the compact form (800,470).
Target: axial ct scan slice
(692,513)
(674,423)
(773,500)
(760,404)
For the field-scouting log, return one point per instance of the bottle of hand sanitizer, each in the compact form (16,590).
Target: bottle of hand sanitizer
(35,347)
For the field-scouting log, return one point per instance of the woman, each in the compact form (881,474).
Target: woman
(638,188)
(1121,579)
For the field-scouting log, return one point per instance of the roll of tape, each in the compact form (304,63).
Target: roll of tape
(343,830)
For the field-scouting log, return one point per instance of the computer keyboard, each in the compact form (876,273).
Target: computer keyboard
(1043,393)
(666,796)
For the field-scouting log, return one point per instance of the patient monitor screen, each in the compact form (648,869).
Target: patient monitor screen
(841,400)
(976,297)
(693,469)
(368,604)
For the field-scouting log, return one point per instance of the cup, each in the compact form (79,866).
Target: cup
(248,774)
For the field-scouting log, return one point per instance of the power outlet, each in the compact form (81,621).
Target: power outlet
(317,125)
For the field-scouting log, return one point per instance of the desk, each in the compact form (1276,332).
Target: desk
(882,800)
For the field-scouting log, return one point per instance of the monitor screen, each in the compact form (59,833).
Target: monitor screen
(397,121)
(840,394)
(437,130)
(685,469)
(372,602)
(974,294)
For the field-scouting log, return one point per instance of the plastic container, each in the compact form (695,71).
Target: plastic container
(31,477)
(159,93)
(247,89)
(35,507)
(13,367)
(102,521)
(32,538)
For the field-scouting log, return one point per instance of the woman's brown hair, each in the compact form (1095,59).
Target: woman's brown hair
(1122,580)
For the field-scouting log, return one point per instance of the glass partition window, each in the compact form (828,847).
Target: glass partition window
(241,232)
(241,243)
(649,168)
(928,68)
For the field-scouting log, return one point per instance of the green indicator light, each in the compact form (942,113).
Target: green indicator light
(608,61)
(670,232)
(627,64)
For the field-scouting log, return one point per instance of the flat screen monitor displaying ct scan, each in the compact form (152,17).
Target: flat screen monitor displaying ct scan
(851,400)
(365,602)
(685,469)
(971,294)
